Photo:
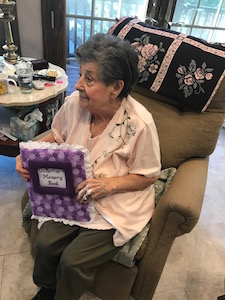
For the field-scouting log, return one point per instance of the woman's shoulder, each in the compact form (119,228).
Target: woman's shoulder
(71,105)
(72,98)
(137,109)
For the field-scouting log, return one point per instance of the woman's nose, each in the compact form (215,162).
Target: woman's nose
(79,85)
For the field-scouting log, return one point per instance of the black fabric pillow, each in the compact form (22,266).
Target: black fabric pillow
(184,68)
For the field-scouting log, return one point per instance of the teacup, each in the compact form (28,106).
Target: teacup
(4,85)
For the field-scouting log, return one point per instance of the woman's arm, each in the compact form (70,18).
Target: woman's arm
(48,138)
(102,187)
(24,173)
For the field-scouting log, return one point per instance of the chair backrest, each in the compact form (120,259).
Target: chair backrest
(182,134)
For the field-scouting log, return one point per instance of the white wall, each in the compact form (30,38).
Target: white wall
(30,28)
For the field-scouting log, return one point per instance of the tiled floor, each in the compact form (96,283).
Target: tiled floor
(195,269)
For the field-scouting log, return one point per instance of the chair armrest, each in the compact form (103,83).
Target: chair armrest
(176,213)
(185,195)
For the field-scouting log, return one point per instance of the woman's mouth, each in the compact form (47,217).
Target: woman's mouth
(83,96)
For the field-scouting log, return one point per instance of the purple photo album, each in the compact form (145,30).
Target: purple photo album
(55,171)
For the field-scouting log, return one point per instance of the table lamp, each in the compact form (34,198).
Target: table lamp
(7,17)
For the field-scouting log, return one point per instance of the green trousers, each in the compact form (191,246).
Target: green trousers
(67,257)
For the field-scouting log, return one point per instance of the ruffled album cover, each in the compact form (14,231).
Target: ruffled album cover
(55,172)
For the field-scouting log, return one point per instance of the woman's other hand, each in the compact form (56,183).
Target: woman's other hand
(93,189)
(96,188)
(24,173)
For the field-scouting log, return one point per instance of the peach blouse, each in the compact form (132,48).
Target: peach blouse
(128,145)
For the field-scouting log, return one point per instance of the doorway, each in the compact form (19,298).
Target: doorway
(204,19)
(88,17)
(201,18)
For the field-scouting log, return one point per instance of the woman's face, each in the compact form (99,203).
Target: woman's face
(94,94)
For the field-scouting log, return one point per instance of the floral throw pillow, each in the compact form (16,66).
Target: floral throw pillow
(180,67)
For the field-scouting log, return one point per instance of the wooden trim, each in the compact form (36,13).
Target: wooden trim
(54,31)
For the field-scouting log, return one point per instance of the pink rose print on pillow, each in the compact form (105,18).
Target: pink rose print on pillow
(199,74)
(141,63)
(148,63)
(153,68)
(149,51)
(191,79)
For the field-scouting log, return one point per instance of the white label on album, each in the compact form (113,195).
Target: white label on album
(50,177)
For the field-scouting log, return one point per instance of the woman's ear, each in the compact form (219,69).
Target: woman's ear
(117,87)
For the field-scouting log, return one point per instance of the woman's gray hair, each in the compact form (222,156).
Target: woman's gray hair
(116,58)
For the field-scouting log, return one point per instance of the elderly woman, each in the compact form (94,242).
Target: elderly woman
(122,140)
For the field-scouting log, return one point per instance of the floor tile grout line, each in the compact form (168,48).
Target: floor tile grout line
(14,253)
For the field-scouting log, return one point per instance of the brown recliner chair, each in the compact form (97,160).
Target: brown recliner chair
(187,138)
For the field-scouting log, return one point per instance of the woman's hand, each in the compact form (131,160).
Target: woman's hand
(24,173)
(96,188)
(93,189)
